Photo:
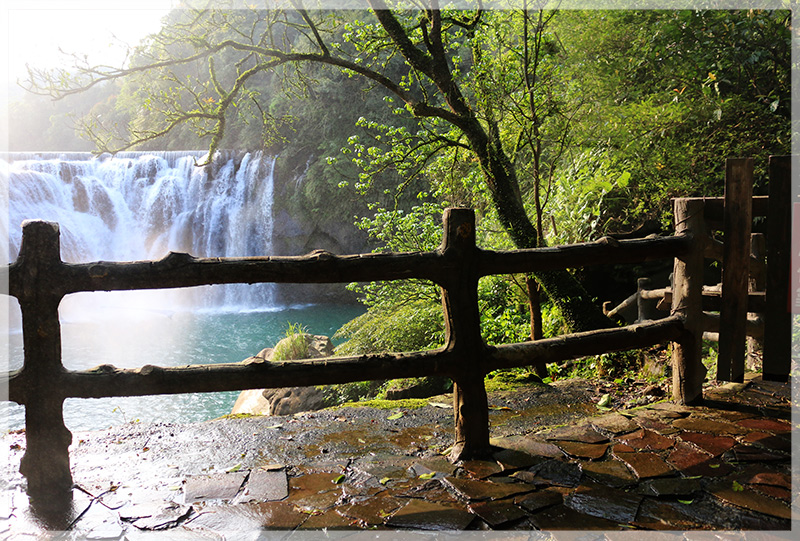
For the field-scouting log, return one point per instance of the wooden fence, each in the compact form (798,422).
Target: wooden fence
(749,307)
(39,280)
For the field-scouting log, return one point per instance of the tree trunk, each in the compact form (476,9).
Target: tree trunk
(577,308)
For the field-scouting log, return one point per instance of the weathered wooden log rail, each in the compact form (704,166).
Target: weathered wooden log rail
(39,280)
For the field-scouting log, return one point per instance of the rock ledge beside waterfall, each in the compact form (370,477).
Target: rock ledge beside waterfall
(286,400)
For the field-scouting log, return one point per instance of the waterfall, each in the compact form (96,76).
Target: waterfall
(142,205)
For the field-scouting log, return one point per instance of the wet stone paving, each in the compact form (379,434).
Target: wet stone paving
(725,465)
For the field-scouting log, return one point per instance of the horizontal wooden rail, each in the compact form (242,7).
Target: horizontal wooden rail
(714,207)
(712,299)
(252,373)
(178,270)
(573,346)
(580,255)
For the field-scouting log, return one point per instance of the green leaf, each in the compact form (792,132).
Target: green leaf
(385,480)
(427,475)
(339,479)
(235,468)
(604,401)
(737,487)
(396,416)
(686,502)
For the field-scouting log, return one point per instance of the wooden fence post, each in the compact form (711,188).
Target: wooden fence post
(738,223)
(757,283)
(688,372)
(647,310)
(463,335)
(45,463)
(777,318)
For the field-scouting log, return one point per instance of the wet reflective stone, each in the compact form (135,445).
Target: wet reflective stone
(481,469)
(438,465)
(372,511)
(670,487)
(747,498)
(264,486)
(246,517)
(670,410)
(541,499)
(473,490)
(382,468)
(656,425)
(733,415)
(714,445)
(766,425)
(622,448)
(665,515)
(647,440)
(752,453)
(329,520)
(646,465)
(497,513)
(779,493)
(583,434)
(528,445)
(776,443)
(432,491)
(510,459)
(315,491)
(605,502)
(609,472)
(561,517)
(554,472)
(168,517)
(758,476)
(422,515)
(98,522)
(591,451)
(614,423)
(710,426)
(218,486)
(691,463)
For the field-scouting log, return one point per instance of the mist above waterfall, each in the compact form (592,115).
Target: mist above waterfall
(142,205)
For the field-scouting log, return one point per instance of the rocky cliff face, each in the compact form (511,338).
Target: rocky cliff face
(312,214)
(298,234)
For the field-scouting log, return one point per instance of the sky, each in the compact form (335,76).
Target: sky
(37,29)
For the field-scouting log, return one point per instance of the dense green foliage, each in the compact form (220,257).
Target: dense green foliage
(587,121)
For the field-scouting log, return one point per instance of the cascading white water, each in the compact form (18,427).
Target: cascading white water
(137,206)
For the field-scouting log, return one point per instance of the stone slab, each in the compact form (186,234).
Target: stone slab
(591,451)
(422,515)
(612,472)
(747,498)
(691,463)
(264,486)
(647,440)
(646,465)
(710,426)
(713,445)
(614,423)
(561,517)
(217,486)
(497,513)
(605,502)
(473,490)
